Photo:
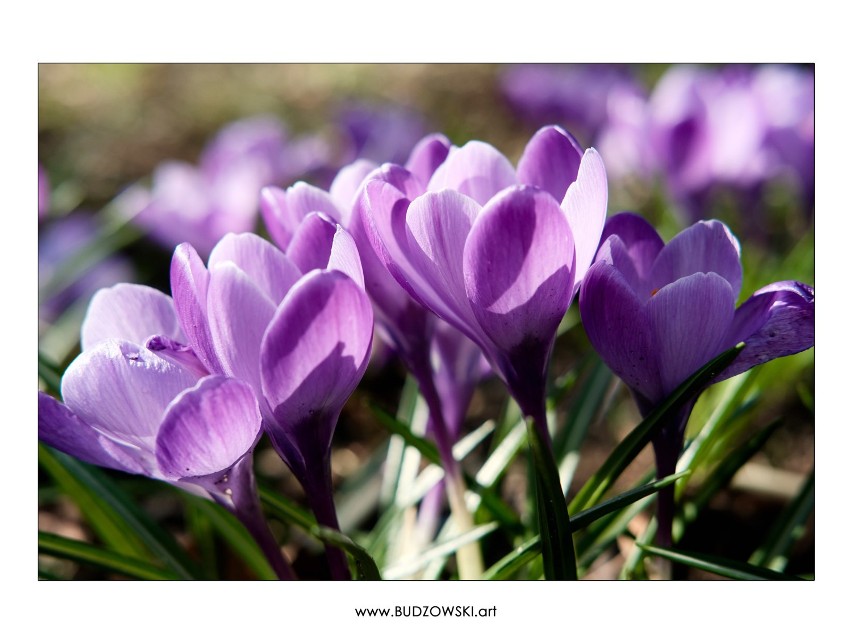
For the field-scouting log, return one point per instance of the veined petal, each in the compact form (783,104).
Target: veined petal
(239,313)
(585,206)
(437,227)
(690,320)
(429,153)
(181,354)
(705,247)
(518,267)
(640,240)
(619,330)
(315,351)
(476,169)
(288,208)
(550,161)
(345,186)
(129,312)
(208,428)
(270,269)
(344,256)
(778,320)
(62,429)
(189,280)
(276,215)
(123,389)
(310,247)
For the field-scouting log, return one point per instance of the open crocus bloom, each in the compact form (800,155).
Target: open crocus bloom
(499,261)
(297,327)
(657,312)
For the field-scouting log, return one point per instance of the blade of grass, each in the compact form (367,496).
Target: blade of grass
(443,549)
(234,534)
(719,565)
(85,553)
(114,517)
(786,530)
(627,450)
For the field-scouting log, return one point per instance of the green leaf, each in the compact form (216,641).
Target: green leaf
(114,517)
(530,549)
(719,565)
(235,535)
(364,565)
(440,550)
(630,447)
(787,529)
(557,545)
(85,553)
(50,373)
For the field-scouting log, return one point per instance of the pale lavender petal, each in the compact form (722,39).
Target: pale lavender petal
(476,169)
(239,313)
(344,256)
(704,247)
(208,428)
(129,312)
(315,351)
(518,267)
(690,320)
(123,389)
(288,208)
(62,429)
(585,206)
(270,269)
(640,240)
(437,227)
(311,244)
(345,186)
(189,280)
(618,329)
(429,153)
(778,320)
(550,161)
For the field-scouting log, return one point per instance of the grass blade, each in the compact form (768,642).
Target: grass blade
(786,530)
(85,553)
(440,550)
(627,450)
(718,565)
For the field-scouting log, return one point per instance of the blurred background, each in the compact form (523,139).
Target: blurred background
(134,159)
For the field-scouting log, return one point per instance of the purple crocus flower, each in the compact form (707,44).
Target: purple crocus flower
(657,312)
(381,132)
(297,327)
(499,261)
(129,409)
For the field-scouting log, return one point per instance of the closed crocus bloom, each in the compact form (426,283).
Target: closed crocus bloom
(657,312)
(497,260)
(297,327)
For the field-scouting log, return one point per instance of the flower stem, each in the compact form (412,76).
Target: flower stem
(320,495)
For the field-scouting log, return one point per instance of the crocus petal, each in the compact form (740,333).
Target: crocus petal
(181,354)
(62,429)
(550,161)
(311,244)
(129,312)
(429,153)
(208,428)
(239,313)
(778,320)
(314,353)
(270,269)
(189,280)
(476,169)
(437,227)
(705,247)
(518,267)
(690,320)
(345,186)
(344,256)
(123,389)
(618,329)
(289,208)
(640,239)
(585,206)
